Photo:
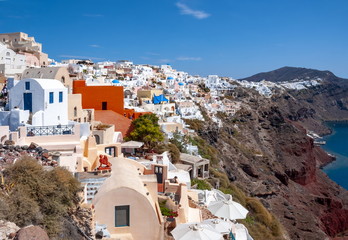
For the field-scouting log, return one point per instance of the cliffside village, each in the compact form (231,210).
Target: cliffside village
(78,114)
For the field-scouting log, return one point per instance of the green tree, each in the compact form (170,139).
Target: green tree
(147,130)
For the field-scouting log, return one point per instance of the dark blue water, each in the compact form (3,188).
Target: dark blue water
(337,144)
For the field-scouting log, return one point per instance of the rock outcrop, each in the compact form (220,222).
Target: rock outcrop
(9,153)
(8,230)
(31,233)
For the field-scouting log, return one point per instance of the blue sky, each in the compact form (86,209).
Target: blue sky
(235,38)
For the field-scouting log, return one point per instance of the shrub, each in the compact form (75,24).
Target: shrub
(205,150)
(102,126)
(201,184)
(195,124)
(38,197)
(166,211)
(223,179)
(260,222)
(174,152)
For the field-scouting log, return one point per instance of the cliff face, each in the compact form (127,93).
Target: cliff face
(264,149)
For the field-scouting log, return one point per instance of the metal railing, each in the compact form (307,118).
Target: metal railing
(50,130)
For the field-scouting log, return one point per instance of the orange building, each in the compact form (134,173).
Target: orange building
(108,103)
(100,97)
(131,114)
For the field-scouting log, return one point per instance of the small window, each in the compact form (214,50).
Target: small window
(75,111)
(110,151)
(27,85)
(60,96)
(97,139)
(122,216)
(51,97)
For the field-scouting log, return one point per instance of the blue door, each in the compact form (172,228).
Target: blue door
(28,101)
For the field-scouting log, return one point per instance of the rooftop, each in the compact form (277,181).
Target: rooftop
(132,144)
(121,123)
(46,72)
(93,175)
(192,159)
(47,83)
(185,167)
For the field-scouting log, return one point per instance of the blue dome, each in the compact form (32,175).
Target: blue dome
(181,84)
(170,78)
(115,81)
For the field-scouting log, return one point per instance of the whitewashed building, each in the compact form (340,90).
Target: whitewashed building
(188,110)
(45,99)
(11,63)
(212,81)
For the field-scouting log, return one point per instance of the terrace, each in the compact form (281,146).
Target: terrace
(50,130)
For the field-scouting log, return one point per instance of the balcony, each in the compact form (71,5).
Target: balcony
(50,130)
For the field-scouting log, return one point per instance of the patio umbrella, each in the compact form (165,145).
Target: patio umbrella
(228,209)
(219,225)
(195,231)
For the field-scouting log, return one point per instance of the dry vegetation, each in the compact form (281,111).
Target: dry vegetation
(31,195)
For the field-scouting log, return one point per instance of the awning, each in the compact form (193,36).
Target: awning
(132,144)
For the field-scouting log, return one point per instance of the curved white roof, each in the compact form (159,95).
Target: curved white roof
(47,83)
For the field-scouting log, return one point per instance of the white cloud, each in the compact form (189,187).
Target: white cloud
(93,15)
(185,10)
(164,60)
(81,57)
(152,53)
(94,45)
(145,58)
(189,58)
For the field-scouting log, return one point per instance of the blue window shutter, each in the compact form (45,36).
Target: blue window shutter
(27,85)
(51,97)
(60,96)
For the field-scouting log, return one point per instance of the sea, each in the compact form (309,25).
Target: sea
(337,144)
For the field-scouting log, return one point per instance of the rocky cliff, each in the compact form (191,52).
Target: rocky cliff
(264,149)
(286,74)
